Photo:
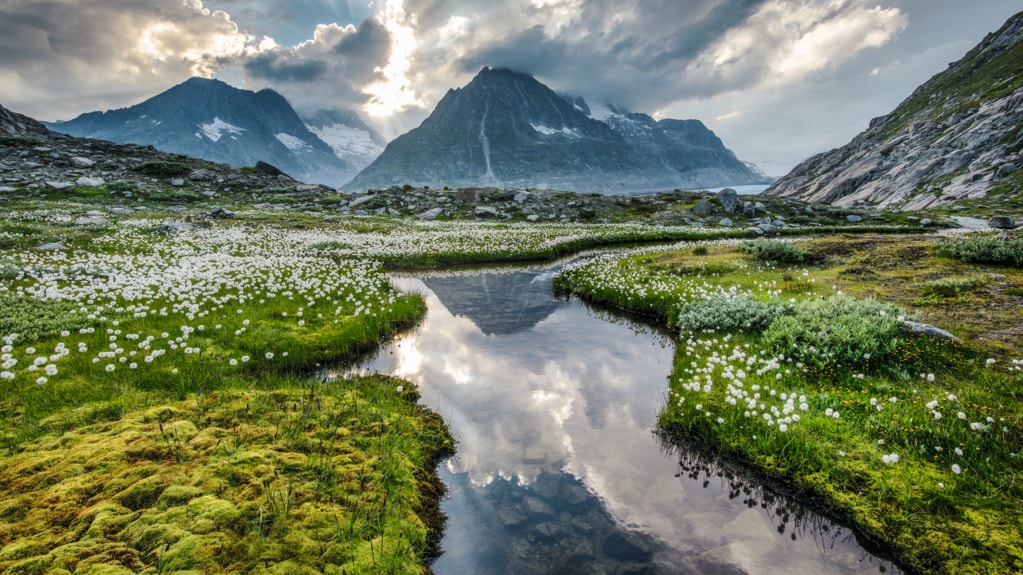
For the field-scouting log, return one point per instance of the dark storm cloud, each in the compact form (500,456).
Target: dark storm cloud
(277,68)
(369,42)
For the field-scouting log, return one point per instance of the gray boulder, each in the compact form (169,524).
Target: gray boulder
(729,199)
(60,186)
(748,209)
(177,182)
(175,228)
(431,214)
(80,162)
(853,218)
(485,211)
(1001,223)
(929,330)
(703,208)
(359,201)
(219,212)
(92,222)
(725,223)
(521,197)
(50,247)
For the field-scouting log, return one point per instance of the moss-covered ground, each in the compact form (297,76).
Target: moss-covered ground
(812,380)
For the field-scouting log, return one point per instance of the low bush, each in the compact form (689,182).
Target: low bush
(724,312)
(982,249)
(774,251)
(836,331)
(951,286)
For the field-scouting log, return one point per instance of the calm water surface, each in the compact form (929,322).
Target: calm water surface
(558,468)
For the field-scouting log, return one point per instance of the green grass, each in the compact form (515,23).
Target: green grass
(823,398)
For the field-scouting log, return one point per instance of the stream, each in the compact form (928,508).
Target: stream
(558,469)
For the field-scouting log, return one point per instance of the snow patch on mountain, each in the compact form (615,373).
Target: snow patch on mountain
(216,129)
(347,141)
(292,143)
(547,131)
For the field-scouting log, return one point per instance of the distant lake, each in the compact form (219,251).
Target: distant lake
(744,190)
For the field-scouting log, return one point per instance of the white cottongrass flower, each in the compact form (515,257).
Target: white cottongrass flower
(269,355)
(890,458)
(110,367)
(956,469)
(41,380)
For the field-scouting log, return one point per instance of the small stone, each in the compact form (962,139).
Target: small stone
(50,247)
(80,162)
(60,186)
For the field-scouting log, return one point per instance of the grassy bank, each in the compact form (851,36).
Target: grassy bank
(799,365)
(159,414)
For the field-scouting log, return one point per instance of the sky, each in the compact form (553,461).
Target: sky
(777,80)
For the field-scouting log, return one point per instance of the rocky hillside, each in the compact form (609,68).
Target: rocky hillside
(13,124)
(506,129)
(958,136)
(214,121)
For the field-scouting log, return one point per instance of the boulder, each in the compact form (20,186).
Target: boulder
(431,214)
(853,218)
(532,218)
(521,197)
(175,228)
(703,208)
(80,162)
(50,247)
(92,222)
(359,201)
(199,175)
(485,211)
(1001,223)
(267,169)
(768,229)
(220,213)
(119,211)
(90,182)
(728,198)
(177,182)
(929,330)
(725,223)
(748,209)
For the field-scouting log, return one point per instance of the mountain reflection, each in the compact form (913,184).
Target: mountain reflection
(499,303)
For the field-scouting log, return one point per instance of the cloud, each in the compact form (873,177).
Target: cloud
(102,51)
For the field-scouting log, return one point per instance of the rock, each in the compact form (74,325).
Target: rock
(757,231)
(284,179)
(177,209)
(50,247)
(1001,223)
(521,197)
(748,209)
(510,516)
(728,198)
(175,228)
(267,169)
(362,200)
(703,208)
(30,165)
(536,507)
(547,531)
(177,182)
(930,330)
(725,223)
(119,211)
(853,218)
(60,186)
(80,162)
(200,175)
(92,222)
(220,213)
(7,189)
(926,222)
(431,214)
(532,218)
(90,182)
(768,229)
(628,545)
(485,211)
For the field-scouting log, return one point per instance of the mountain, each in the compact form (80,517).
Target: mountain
(214,121)
(957,136)
(350,138)
(14,124)
(507,129)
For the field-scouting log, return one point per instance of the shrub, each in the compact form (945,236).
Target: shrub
(700,251)
(985,250)
(163,169)
(951,287)
(723,312)
(33,320)
(774,251)
(837,331)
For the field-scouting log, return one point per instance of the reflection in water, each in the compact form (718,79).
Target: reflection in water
(557,468)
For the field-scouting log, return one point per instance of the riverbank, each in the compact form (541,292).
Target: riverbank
(912,439)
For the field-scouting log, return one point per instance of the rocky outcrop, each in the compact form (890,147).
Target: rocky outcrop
(13,124)
(956,137)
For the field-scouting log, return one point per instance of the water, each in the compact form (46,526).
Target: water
(745,190)
(558,468)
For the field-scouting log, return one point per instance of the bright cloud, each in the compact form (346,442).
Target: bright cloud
(395,91)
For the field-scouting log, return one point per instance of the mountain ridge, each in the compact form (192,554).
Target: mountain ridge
(215,121)
(505,128)
(956,137)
